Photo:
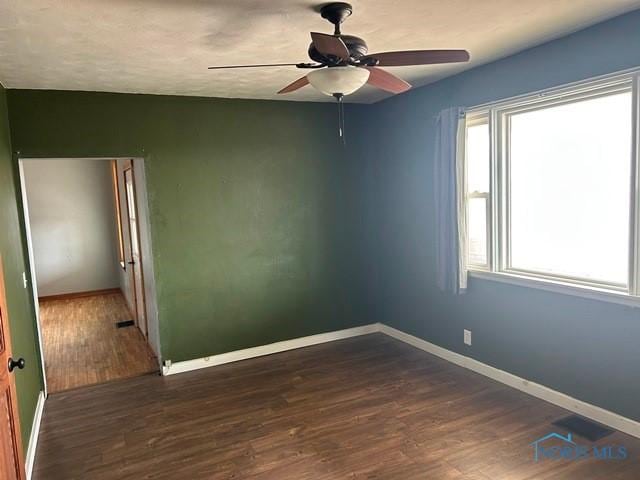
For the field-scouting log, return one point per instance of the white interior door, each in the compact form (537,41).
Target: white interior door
(135,262)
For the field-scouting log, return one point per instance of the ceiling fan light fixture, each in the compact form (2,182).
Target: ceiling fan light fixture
(342,80)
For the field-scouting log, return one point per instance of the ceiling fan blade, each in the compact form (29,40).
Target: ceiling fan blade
(330,45)
(386,81)
(253,66)
(301,82)
(418,57)
(297,65)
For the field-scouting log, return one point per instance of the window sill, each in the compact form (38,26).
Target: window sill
(592,293)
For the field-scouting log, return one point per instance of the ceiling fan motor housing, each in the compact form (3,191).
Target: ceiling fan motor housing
(357,49)
(336,12)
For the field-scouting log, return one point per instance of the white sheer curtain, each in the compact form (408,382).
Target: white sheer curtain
(449,202)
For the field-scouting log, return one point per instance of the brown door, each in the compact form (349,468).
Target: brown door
(135,262)
(11,461)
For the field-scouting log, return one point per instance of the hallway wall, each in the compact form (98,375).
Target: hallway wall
(73,225)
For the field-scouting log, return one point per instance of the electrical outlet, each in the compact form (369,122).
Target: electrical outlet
(467,337)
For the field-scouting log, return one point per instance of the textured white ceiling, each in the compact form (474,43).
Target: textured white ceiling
(165,46)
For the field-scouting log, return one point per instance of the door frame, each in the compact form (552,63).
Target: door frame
(150,304)
(129,168)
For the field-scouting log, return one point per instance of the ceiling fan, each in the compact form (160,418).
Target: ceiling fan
(341,63)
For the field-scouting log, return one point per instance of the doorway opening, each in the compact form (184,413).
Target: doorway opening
(89,248)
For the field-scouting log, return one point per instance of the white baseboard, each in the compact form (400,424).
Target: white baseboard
(187,366)
(33,438)
(585,409)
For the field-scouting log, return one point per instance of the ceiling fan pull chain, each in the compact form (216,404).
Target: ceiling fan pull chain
(342,122)
(338,97)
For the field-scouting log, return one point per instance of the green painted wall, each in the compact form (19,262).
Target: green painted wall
(19,301)
(251,218)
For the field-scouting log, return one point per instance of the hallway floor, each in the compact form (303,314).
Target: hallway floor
(82,345)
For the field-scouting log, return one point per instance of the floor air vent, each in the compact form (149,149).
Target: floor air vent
(583,427)
(125,323)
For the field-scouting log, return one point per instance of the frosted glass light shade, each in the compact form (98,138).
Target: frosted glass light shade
(344,80)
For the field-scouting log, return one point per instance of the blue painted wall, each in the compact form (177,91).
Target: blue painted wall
(585,348)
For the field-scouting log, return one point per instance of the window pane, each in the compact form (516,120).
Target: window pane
(477,231)
(569,187)
(478,158)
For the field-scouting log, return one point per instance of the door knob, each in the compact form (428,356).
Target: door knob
(16,363)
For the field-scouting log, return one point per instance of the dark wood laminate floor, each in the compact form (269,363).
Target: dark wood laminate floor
(364,408)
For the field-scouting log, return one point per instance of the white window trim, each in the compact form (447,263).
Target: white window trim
(473,120)
(498,265)
(550,285)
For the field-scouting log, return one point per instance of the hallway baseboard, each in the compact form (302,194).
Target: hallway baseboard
(89,293)
(30,455)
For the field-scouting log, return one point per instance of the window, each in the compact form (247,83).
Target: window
(549,192)
(478,192)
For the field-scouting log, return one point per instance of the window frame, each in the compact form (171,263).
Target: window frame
(498,116)
(472,121)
